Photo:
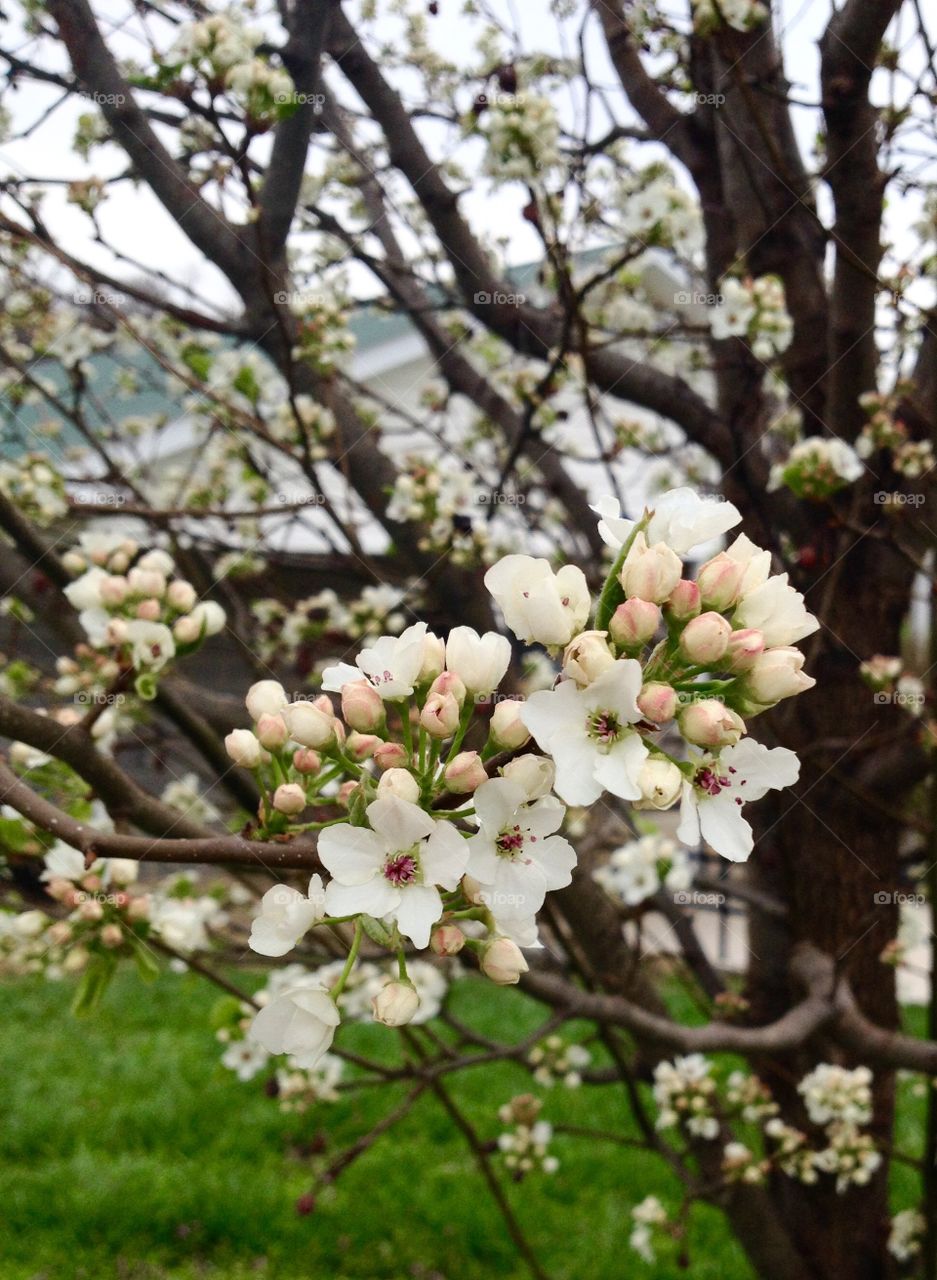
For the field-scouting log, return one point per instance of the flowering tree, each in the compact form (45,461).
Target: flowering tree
(537,641)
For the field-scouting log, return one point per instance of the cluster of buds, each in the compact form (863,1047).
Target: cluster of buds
(817,467)
(886,430)
(685,1094)
(742,15)
(108,917)
(133,606)
(555,1059)
(740,1164)
(433,844)
(442,501)
(297,1091)
(34,486)
(749,1097)
(646,1216)
(834,1093)
(753,309)
(525,1145)
(636,870)
(287,630)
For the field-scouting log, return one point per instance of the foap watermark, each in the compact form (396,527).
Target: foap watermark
(316,100)
(500,498)
(305,500)
(97,297)
(493,899)
(98,698)
(709,99)
(100,497)
(105,99)
(498,299)
(900,698)
(885,897)
(883,497)
(694,898)
(693,298)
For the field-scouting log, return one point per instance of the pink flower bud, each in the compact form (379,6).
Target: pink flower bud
(324,703)
(181,595)
(446,940)
(744,647)
(502,962)
(186,630)
(710,723)
(449,682)
(112,936)
(633,624)
(684,602)
(586,657)
(309,724)
(464,773)
(657,702)
(139,908)
(305,760)
(440,715)
(362,706)
(59,889)
(113,590)
(507,729)
(91,910)
(60,933)
(719,581)
(360,746)
(346,791)
(149,610)
(395,1004)
(289,798)
(271,731)
(650,573)
(146,582)
(390,755)
(400,783)
(705,638)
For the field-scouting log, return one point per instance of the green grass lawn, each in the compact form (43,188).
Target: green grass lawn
(130,1153)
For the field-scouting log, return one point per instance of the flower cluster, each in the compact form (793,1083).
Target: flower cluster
(221,52)
(817,467)
(555,1059)
(885,430)
(906,1234)
(635,871)
(286,630)
(133,606)
(753,309)
(647,1215)
(35,487)
(522,133)
(525,1145)
(428,844)
(441,501)
(685,1093)
(834,1093)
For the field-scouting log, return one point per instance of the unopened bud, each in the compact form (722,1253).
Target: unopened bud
(684,602)
(657,702)
(464,773)
(391,755)
(446,940)
(362,706)
(503,962)
(271,731)
(507,729)
(395,1004)
(705,638)
(633,624)
(710,723)
(305,760)
(400,783)
(289,798)
(449,682)
(440,715)
(586,657)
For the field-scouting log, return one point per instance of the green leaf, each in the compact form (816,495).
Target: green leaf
(94,982)
(147,965)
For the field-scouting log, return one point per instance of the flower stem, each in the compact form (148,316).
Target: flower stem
(349,963)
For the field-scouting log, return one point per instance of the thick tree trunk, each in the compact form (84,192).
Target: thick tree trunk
(831,854)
